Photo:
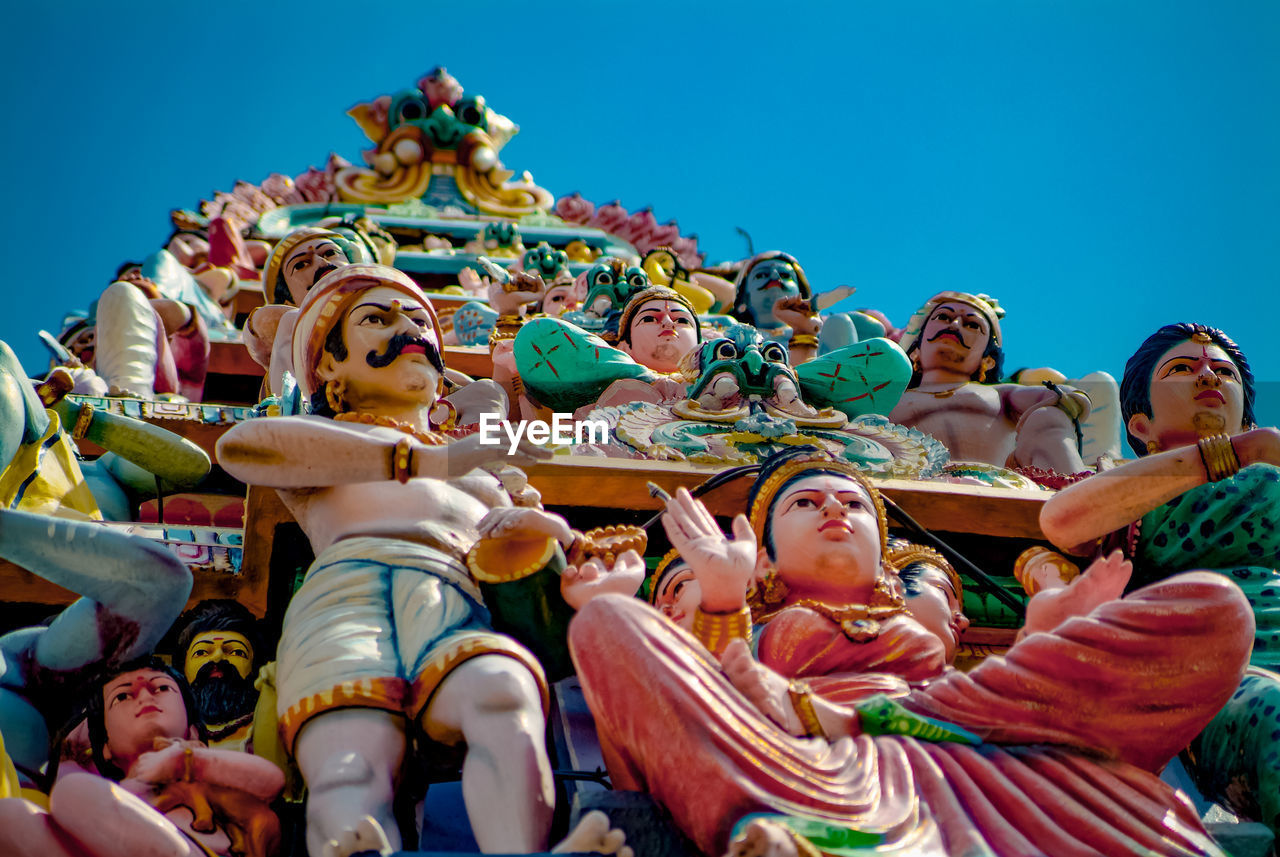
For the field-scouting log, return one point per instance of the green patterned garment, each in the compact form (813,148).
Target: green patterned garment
(1232,527)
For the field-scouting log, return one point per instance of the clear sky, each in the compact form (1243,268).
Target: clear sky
(1100,166)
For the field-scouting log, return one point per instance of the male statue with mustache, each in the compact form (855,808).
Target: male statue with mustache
(955,345)
(387,641)
(297,263)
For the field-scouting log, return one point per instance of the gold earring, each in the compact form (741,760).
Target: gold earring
(335,393)
(1153,446)
(988,363)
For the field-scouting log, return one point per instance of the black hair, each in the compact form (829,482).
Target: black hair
(94,710)
(1135,385)
(218,614)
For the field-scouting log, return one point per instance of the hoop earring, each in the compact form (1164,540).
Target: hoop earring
(450,419)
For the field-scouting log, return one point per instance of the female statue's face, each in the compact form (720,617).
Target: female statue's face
(826,536)
(936,606)
(1196,390)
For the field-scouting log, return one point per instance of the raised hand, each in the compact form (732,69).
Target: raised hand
(580,583)
(723,567)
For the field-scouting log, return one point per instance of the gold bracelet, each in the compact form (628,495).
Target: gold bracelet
(188,764)
(804,339)
(717,630)
(802,701)
(402,460)
(1219,457)
(82,422)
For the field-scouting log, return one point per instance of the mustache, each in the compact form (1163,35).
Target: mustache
(942,333)
(398,344)
(320,271)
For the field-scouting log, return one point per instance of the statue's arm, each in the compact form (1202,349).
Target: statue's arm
(190,761)
(1090,509)
(312,452)
(132,588)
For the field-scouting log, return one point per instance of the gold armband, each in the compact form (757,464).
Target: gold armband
(717,630)
(82,422)
(1219,457)
(402,460)
(802,701)
(804,339)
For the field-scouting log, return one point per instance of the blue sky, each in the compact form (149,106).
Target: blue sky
(1100,167)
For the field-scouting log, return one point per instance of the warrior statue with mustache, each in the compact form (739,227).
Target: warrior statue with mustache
(955,345)
(388,642)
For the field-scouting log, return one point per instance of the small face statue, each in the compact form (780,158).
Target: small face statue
(768,282)
(661,333)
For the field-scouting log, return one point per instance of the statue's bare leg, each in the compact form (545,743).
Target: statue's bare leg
(350,759)
(493,703)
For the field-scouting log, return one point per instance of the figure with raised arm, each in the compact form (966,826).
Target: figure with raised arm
(1011,758)
(956,348)
(388,637)
(1202,494)
(157,789)
(131,591)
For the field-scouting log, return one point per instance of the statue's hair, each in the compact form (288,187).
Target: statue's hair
(217,614)
(1135,385)
(95,711)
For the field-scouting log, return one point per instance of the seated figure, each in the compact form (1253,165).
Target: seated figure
(1202,494)
(1010,758)
(157,790)
(956,348)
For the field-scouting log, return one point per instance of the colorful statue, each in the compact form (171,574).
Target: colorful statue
(765,279)
(705,292)
(955,345)
(1202,495)
(220,651)
(388,634)
(131,591)
(298,261)
(174,794)
(609,283)
(438,144)
(658,328)
(41,472)
(961,764)
(148,344)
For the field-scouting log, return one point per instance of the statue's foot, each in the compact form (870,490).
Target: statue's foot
(595,833)
(367,837)
(763,838)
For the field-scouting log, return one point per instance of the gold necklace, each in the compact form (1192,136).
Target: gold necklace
(430,438)
(859,622)
(941,394)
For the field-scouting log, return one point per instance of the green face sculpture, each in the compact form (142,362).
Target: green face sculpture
(610,283)
(744,354)
(445,126)
(547,261)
